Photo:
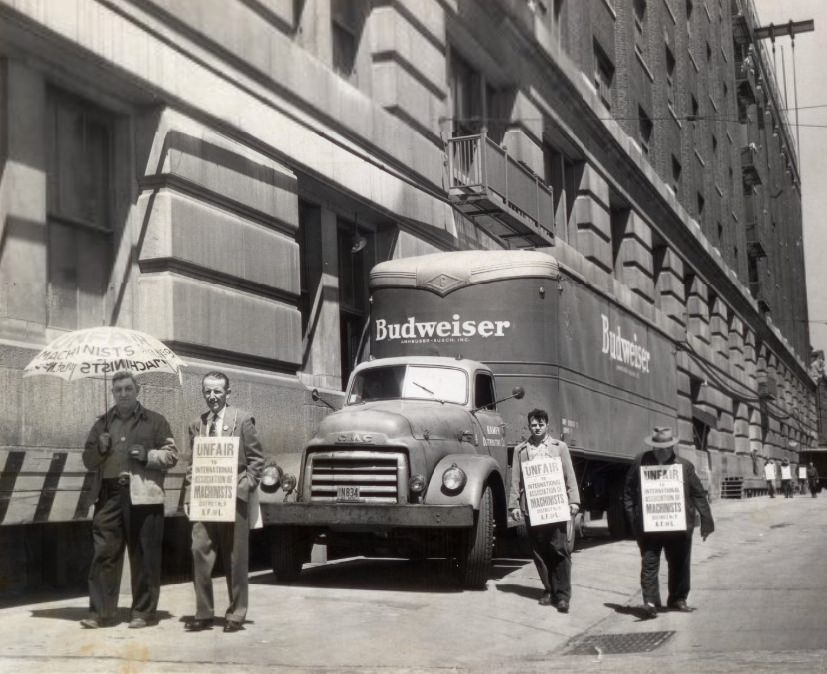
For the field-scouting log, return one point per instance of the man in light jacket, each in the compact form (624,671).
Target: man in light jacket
(130,448)
(549,542)
(228,539)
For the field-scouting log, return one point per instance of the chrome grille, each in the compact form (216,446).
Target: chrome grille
(380,476)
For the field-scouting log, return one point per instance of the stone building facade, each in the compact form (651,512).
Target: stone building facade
(224,173)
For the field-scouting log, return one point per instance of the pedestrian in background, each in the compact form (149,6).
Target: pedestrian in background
(769,476)
(812,479)
(549,542)
(802,478)
(130,448)
(677,545)
(228,539)
(787,478)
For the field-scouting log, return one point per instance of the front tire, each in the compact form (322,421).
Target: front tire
(476,546)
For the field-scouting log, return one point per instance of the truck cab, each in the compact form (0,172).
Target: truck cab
(415,461)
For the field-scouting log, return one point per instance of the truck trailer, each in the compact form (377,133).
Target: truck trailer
(445,330)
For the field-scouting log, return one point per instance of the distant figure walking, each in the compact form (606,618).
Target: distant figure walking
(787,478)
(769,476)
(812,479)
(802,478)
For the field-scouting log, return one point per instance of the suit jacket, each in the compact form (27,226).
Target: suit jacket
(146,481)
(516,495)
(239,424)
(694,494)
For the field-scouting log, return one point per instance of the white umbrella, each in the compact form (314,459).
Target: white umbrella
(103,351)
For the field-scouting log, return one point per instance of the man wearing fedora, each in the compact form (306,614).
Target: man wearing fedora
(677,545)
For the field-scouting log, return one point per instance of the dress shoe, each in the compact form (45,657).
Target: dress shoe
(97,623)
(545,600)
(563,606)
(198,624)
(680,605)
(138,623)
(649,611)
(232,626)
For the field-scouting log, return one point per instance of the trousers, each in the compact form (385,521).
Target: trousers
(549,548)
(230,540)
(677,546)
(117,524)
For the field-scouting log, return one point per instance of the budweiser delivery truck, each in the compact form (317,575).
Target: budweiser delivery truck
(421,452)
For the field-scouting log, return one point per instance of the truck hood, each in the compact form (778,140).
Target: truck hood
(391,419)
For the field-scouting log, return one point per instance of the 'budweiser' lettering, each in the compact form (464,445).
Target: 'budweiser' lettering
(627,351)
(456,327)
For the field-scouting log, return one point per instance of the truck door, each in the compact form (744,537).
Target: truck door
(490,422)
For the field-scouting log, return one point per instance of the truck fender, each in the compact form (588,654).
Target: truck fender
(477,468)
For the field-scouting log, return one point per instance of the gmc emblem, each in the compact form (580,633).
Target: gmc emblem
(355,438)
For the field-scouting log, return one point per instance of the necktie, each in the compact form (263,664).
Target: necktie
(213,431)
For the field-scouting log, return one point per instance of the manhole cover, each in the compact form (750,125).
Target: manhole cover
(633,642)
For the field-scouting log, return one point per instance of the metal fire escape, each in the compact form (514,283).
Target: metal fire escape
(499,193)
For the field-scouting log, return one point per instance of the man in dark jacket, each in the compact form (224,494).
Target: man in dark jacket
(812,479)
(677,545)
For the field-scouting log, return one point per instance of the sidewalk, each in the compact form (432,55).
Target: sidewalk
(372,615)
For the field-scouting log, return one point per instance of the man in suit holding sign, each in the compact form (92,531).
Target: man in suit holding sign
(544,491)
(224,473)
(661,495)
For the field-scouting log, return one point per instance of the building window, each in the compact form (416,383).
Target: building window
(472,99)
(604,73)
(719,228)
(670,78)
(79,210)
(619,220)
(689,8)
(676,175)
(714,144)
(701,202)
(346,25)
(309,239)
(640,27)
(357,254)
(645,130)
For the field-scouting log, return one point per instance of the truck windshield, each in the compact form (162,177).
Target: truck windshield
(409,381)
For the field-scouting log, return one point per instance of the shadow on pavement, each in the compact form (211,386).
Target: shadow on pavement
(635,611)
(399,575)
(78,613)
(533,592)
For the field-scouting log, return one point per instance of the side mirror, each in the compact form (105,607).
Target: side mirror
(318,398)
(517,392)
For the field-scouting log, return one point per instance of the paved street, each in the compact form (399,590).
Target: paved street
(758,583)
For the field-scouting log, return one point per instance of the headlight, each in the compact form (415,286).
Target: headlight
(454,478)
(288,483)
(270,479)
(417,484)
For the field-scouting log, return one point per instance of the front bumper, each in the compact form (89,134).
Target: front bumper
(381,516)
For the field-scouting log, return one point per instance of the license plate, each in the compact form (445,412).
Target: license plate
(348,493)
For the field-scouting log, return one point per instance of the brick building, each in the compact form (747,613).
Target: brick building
(224,173)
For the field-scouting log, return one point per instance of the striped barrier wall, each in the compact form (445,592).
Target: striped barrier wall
(39,485)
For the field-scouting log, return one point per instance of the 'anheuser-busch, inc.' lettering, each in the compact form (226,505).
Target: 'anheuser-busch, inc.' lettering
(627,351)
(456,327)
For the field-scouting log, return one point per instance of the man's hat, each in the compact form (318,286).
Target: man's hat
(661,437)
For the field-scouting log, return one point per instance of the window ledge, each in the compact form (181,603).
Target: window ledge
(674,116)
(643,63)
(699,158)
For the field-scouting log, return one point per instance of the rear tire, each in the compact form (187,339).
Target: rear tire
(476,546)
(289,550)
